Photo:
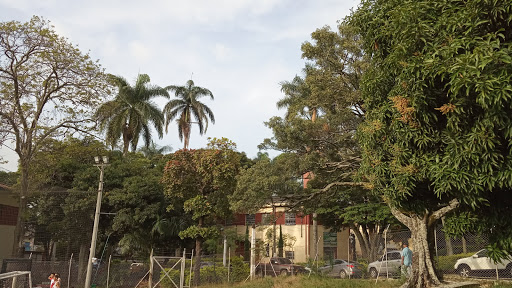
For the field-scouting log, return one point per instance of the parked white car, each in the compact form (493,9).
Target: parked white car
(388,264)
(481,263)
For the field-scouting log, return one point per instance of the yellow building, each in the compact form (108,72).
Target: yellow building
(8,218)
(298,235)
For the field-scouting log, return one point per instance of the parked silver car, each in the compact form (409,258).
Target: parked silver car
(388,264)
(480,262)
(342,268)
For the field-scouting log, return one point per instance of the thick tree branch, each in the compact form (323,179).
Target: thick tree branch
(453,204)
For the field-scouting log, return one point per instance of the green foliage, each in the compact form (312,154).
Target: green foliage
(280,242)
(256,185)
(8,178)
(128,116)
(199,232)
(247,245)
(239,270)
(438,96)
(446,263)
(186,106)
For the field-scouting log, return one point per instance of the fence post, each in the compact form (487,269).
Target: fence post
(69,268)
(14,281)
(253,251)
(182,270)
(229,262)
(150,279)
(348,254)
(108,268)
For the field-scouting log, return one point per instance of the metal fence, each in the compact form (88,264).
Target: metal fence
(465,256)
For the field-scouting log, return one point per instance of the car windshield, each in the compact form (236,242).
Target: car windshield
(285,261)
(482,253)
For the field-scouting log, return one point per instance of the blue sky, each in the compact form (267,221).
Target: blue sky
(239,49)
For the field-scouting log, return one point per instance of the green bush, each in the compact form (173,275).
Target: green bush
(213,274)
(239,270)
(446,263)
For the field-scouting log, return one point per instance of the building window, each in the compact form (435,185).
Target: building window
(289,254)
(250,219)
(266,219)
(289,219)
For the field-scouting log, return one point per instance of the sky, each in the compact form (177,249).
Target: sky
(239,49)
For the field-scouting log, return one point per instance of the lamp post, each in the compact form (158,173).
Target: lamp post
(101,162)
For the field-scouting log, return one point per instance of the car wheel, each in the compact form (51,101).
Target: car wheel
(463,270)
(283,272)
(373,273)
(343,274)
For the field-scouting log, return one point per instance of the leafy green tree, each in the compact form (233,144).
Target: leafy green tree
(199,182)
(324,109)
(128,116)
(188,108)
(47,89)
(437,132)
(247,245)
(280,243)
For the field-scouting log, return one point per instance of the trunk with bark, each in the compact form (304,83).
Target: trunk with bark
(315,236)
(19,230)
(82,262)
(197,261)
(369,239)
(422,236)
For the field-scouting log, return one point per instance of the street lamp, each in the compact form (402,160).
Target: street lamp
(101,163)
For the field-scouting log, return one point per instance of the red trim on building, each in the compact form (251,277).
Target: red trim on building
(280,218)
(257,218)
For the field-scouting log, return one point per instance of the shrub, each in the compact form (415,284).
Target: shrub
(446,263)
(239,270)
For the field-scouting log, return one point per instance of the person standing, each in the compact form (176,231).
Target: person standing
(52,279)
(406,260)
(57,281)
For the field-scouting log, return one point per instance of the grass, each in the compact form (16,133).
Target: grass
(311,282)
(324,282)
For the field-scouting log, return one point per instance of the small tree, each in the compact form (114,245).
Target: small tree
(200,181)
(247,245)
(280,243)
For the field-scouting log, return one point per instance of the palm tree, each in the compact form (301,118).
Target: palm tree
(131,112)
(187,106)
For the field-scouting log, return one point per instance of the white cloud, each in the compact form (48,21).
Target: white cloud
(239,49)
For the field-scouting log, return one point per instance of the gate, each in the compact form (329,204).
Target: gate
(176,264)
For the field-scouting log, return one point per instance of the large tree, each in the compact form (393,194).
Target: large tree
(187,108)
(323,111)
(128,116)
(199,182)
(437,133)
(47,88)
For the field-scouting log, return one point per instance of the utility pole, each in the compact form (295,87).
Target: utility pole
(101,163)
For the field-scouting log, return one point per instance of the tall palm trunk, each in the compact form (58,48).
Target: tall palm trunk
(127,137)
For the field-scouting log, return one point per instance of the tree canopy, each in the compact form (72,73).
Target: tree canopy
(437,132)
(128,116)
(48,88)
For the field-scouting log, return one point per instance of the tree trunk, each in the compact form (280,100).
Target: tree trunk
(197,263)
(448,241)
(19,230)
(421,227)
(82,262)
(315,236)
(464,246)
